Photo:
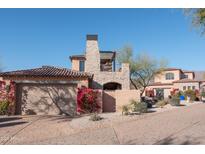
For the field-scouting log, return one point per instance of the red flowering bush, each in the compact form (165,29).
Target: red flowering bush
(7,97)
(149,93)
(174,92)
(87,100)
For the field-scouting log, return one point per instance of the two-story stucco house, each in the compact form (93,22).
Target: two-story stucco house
(53,90)
(174,79)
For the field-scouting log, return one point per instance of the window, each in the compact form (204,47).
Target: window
(169,76)
(193,87)
(184,88)
(81,65)
(186,76)
(189,87)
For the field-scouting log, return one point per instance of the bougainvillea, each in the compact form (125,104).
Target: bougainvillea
(87,100)
(7,94)
(174,91)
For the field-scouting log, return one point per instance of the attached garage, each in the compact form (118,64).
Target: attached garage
(41,99)
(47,90)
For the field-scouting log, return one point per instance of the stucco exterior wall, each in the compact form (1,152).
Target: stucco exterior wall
(162,77)
(167,89)
(190,75)
(122,77)
(75,64)
(109,101)
(114,100)
(181,85)
(123,97)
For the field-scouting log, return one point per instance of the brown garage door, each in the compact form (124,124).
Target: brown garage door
(41,99)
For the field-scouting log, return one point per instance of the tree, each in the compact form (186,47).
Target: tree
(143,68)
(198,18)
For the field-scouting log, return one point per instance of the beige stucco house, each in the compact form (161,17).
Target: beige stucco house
(174,79)
(53,90)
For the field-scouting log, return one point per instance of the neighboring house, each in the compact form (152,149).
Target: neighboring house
(102,65)
(53,90)
(174,79)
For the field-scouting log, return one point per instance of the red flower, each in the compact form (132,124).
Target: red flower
(87,100)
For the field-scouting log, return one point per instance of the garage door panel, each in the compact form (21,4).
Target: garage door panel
(47,99)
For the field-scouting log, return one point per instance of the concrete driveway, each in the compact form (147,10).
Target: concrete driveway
(181,125)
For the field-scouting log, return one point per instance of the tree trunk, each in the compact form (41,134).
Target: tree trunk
(133,83)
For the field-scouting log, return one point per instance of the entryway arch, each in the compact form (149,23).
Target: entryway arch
(112,86)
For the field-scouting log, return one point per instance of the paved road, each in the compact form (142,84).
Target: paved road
(184,125)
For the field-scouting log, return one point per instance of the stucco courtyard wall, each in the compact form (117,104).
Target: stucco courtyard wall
(114,100)
(123,97)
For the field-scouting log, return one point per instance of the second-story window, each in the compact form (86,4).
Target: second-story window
(169,76)
(81,65)
(184,76)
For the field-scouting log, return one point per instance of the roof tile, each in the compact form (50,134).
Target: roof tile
(47,71)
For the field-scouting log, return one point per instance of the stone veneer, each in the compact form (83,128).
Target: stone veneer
(92,65)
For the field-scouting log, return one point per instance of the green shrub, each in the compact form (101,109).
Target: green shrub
(140,107)
(174,101)
(202,94)
(4,106)
(191,94)
(125,109)
(161,103)
(95,117)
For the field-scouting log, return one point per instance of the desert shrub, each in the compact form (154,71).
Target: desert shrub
(162,103)
(4,107)
(125,109)
(191,94)
(174,101)
(7,98)
(140,107)
(87,100)
(202,94)
(95,117)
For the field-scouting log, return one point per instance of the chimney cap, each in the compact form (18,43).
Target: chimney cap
(92,37)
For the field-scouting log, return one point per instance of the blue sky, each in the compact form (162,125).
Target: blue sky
(31,38)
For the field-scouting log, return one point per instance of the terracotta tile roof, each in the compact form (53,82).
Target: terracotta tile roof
(47,71)
(172,69)
(185,81)
(160,84)
(186,71)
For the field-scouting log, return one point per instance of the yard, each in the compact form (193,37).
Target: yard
(168,125)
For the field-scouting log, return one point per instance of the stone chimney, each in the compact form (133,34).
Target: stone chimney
(92,63)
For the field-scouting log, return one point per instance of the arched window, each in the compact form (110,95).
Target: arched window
(169,76)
